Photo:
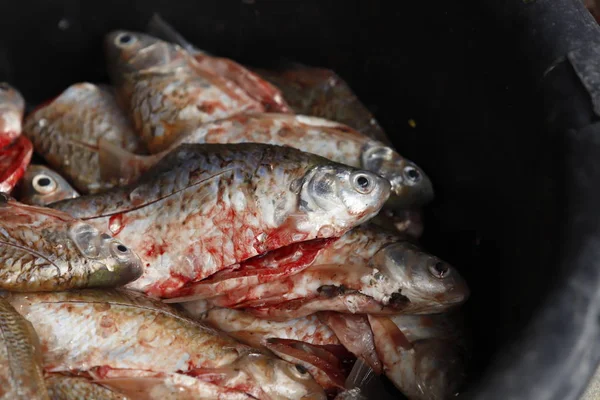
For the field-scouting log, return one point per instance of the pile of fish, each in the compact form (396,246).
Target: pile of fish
(200,230)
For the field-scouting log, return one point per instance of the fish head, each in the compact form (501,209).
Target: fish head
(111,263)
(422,282)
(12,107)
(280,379)
(411,187)
(344,195)
(129,52)
(42,186)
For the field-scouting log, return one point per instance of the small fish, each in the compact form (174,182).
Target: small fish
(321,93)
(204,208)
(14,160)
(41,186)
(304,341)
(12,107)
(21,375)
(106,332)
(256,87)
(430,366)
(62,387)
(337,142)
(365,271)
(166,91)
(65,133)
(46,250)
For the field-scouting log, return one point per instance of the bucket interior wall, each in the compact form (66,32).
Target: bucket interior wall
(442,64)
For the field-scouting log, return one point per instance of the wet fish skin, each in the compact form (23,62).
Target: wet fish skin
(12,107)
(259,89)
(62,387)
(255,331)
(41,186)
(337,142)
(207,207)
(365,271)
(148,385)
(47,250)
(164,89)
(21,375)
(14,160)
(154,337)
(431,366)
(65,133)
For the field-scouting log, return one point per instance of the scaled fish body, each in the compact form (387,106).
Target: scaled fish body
(46,250)
(20,361)
(365,271)
(14,160)
(66,132)
(206,207)
(430,366)
(41,186)
(165,90)
(12,107)
(332,140)
(62,387)
(255,86)
(102,332)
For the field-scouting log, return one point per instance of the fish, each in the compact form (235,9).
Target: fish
(320,92)
(14,160)
(431,365)
(206,207)
(255,331)
(41,186)
(21,375)
(148,385)
(256,87)
(47,250)
(304,341)
(65,132)
(366,270)
(164,89)
(12,108)
(63,387)
(354,332)
(109,332)
(411,187)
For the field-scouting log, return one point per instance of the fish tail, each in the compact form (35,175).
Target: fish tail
(120,166)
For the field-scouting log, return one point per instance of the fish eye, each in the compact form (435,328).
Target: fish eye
(125,39)
(362,183)
(44,184)
(440,270)
(119,249)
(412,174)
(301,369)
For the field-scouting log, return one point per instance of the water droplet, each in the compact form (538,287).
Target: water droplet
(42,122)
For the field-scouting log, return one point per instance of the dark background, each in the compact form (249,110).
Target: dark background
(450,66)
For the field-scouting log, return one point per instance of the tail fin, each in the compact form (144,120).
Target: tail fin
(161,29)
(120,166)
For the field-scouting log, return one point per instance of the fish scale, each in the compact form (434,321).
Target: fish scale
(20,367)
(66,131)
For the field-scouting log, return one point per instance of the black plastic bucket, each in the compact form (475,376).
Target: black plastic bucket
(506,98)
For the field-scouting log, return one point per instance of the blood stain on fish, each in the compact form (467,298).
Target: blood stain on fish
(115,224)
